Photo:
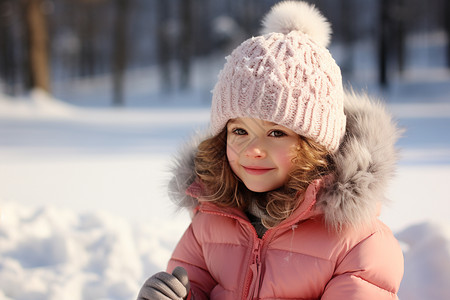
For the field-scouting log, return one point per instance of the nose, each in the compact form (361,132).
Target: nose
(255,149)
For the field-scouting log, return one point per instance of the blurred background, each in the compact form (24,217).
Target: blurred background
(52,44)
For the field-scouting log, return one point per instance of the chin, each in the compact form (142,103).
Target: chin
(261,189)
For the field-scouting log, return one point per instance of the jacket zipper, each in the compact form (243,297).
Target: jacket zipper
(254,265)
(252,280)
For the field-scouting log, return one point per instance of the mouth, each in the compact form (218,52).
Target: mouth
(253,170)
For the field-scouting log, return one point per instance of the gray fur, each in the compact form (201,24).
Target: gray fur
(183,170)
(365,162)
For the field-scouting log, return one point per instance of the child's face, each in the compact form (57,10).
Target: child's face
(260,153)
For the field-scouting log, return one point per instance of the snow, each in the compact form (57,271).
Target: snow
(84,212)
(427,261)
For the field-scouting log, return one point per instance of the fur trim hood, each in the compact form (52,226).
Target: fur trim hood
(365,162)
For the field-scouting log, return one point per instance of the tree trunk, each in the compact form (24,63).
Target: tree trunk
(447,28)
(249,17)
(37,41)
(120,50)
(87,33)
(185,48)
(400,34)
(163,44)
(7,60)
(348,24)
(383,42)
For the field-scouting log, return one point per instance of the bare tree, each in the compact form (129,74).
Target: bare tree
(7,67)
(348,34)
(248,16)
(446,12)
(86,22)
(185,48)
(120,49)
(383,36)
(37,68)
(399,16)
(163,43)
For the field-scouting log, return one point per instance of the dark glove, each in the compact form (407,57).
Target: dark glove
(165,286)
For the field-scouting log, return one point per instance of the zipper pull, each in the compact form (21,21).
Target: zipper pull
(257,253)
(254,277)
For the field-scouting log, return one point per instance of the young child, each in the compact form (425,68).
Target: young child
(286,190)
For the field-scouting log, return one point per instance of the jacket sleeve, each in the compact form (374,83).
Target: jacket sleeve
(372,270)
(188,254)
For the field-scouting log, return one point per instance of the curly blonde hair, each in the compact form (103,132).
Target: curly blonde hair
(225,189)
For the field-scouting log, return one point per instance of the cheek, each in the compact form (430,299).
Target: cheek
(285,158)
(232,155)
(234,148)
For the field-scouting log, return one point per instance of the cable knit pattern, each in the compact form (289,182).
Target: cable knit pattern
(287,79)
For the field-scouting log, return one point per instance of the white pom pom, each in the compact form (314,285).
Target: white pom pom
(287,16)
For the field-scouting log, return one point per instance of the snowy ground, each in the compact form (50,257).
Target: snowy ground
(83,207)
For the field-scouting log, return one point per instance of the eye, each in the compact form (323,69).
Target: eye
(239,131)
(277,133)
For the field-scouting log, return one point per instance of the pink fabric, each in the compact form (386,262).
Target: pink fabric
(299,259)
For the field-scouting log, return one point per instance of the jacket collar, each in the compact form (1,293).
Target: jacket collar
(306,209)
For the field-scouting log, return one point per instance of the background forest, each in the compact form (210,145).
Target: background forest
(48,43)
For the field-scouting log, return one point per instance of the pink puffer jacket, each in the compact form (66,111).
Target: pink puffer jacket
(305,257)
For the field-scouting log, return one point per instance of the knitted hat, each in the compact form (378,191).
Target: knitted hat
(286,76)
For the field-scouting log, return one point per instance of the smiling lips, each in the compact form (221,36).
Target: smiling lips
(253,170)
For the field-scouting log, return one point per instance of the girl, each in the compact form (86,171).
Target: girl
(286,190)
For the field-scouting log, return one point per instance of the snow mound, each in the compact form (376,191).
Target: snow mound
(427,261)
(37,104)
(49,253)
